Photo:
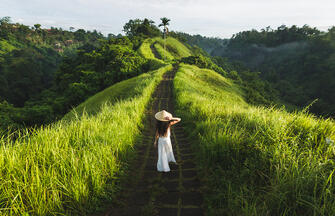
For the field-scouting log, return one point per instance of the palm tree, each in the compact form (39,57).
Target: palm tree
(165,23)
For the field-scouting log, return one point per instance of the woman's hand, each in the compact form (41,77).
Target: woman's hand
(168,118)
(174,120)
(155,143)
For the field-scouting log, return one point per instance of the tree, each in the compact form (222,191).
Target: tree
(165,23)
(5,20)
(4,23)
(37,27)
(80,35)
(142,28)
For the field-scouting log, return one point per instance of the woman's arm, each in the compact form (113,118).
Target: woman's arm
(156,138)
(174,121)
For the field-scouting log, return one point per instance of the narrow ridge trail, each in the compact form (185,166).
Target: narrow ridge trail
(149,192)
(154,51)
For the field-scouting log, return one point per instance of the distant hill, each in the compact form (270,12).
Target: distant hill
(297,61)
(209,44)
(30,60)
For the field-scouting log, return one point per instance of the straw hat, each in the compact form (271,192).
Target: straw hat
(163,116)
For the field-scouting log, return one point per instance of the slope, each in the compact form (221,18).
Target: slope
(153,48)
(255,160)
(146,191)
(124,90)
(70,166)
(252,160)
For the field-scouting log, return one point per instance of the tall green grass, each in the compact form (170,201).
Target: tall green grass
(145,49)
(174,47)
(147,53)
(164,54)
(259,161)
(67,168)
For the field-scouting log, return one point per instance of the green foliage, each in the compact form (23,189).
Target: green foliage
(206,43)
(258,91)
(120,91)
(6,121)
(270,37)
(142,28)
(165,22)
(203,62)
(255,160)
(296,61)
(92,71)
(37,26)
(28,61)
(71,167)
(5,48)
(164,55)
(174,49)
(145,49)
(27,71)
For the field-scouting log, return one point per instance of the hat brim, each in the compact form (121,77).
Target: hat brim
(162,120)
(159,118)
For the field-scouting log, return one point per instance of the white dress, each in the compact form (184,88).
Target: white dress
(165,153)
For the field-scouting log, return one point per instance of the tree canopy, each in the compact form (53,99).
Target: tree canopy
(142,28)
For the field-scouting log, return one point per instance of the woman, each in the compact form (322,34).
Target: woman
(165,153)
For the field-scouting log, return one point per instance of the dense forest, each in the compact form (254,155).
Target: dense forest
(46,72)
(299,62)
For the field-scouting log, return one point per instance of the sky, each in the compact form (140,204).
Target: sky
(212,18)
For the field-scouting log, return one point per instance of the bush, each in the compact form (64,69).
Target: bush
(203,62)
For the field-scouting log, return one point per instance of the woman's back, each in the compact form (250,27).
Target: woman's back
(165,152)
(167,134)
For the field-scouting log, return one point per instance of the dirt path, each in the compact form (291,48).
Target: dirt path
(149,192)
(154,51)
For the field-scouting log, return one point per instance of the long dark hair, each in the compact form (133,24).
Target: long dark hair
(162,127)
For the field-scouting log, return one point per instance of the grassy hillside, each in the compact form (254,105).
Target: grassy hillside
(121,91)
(162,53)
(70,166)
(146,51)
(174,49)
(258,161)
